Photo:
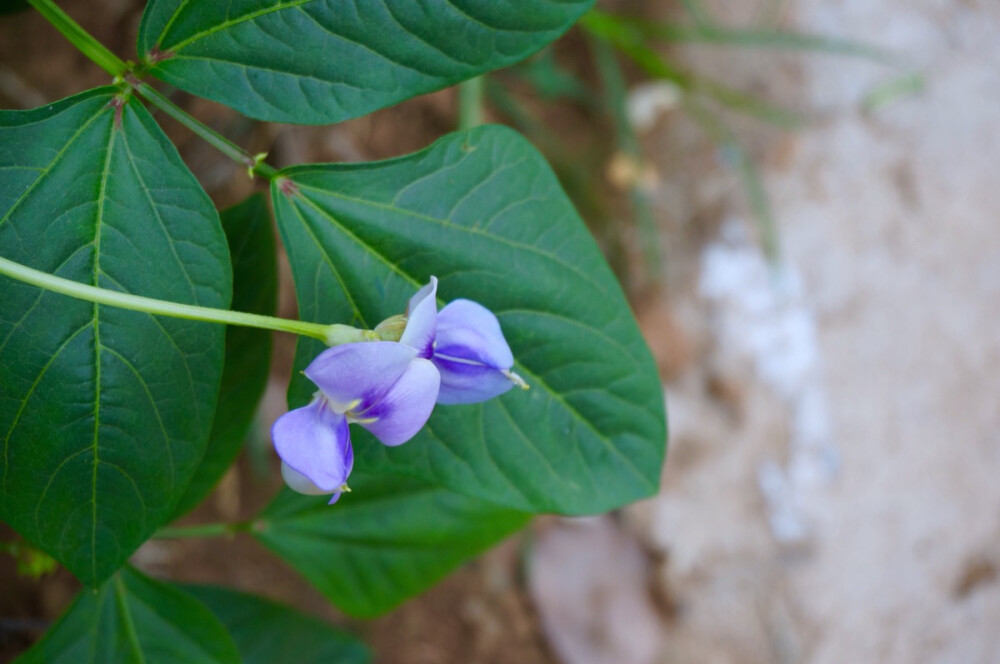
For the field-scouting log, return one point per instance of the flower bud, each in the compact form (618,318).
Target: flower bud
(391,329)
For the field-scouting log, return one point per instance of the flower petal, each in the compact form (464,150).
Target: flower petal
(465,382)
(469,331)
(299,483)
(315,442)
(398,416)
(354,376)
(421,313)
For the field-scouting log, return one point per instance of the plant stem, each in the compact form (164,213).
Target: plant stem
(203,530)
(210,136)
(329,334)
(112,64)
(470,103)
(80,38)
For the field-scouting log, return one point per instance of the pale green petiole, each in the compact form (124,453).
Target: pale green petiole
(332,335)
(89,46)
(128,73)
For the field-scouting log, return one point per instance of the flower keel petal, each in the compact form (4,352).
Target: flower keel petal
(314,442)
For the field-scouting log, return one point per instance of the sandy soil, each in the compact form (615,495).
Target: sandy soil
(831,494)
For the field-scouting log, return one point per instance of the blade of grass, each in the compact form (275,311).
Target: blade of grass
(909,84)
(765,38)
(698,12)
(753,185)
(629,42)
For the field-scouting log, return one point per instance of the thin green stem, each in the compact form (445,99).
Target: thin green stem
(470,103)
(204,530)
(112,64)
(698,12)
(80,38)
(329,334)
(209,135)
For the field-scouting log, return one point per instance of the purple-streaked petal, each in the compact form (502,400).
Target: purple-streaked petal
(468,331)
(315,442)
(465,382)
(421,315)
(400,414)
(354,376)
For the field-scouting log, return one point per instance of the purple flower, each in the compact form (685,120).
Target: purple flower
(465,343)
(456,356)
(382,385)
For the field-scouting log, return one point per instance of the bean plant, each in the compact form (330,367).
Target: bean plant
(465,357)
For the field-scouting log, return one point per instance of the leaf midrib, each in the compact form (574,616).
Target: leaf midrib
(98,224)
(224,25)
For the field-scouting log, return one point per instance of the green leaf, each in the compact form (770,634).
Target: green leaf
(248,350)
(483,212)
(323,61)
(266,632)
(104,413)
(387,540)
(133,618)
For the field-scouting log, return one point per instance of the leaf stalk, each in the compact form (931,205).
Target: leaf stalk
(80,38)
(254,163)
(204,530)
(330,334)
(470,103)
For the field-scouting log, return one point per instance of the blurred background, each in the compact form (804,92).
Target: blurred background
(801,199)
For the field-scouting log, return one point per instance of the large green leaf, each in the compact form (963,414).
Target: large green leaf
(387,540)
(483,212)
(134,619)
(323,61)
(267,633)
(104,413)
(248,350)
